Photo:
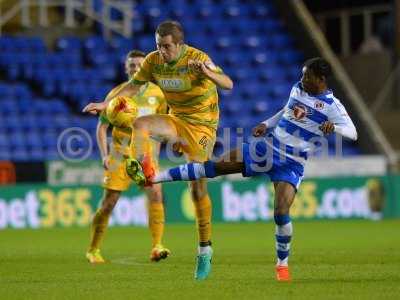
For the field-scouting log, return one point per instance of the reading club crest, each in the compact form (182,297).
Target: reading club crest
(319,105)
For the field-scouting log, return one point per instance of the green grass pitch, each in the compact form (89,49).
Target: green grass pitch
(329,260)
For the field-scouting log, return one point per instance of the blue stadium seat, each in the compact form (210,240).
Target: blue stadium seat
(21,91)
(246,39)
(37,45)
(52,154)
(58,106)
(5,153)
(261,107)
(291,57)
(33,141)
(4,142)
(263,11)
(273,75)
(146,43)
(6,92)
(30,122)
(194,27)
(271,26)
(37,154)
(246,26)
(6,43)
(138,24)
(95,43)
(70,44)
(227,42)
(44,122)
(13,72)
(281,41)
(11,123)
(281,90)
(9,107)
(216,27)
(244,75)
(253,41)
(49,87)
(49,140)
(209,12)
(235,60)
(17,141)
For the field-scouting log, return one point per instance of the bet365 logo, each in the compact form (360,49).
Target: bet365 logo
(203,142)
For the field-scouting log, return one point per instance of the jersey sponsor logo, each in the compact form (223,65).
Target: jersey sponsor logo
(299,112)
(319,105)
(172,84)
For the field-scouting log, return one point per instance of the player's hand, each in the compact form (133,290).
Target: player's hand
(201,68)
(94,108)
(195,66)
(106,162)
(327,127)
(260,130)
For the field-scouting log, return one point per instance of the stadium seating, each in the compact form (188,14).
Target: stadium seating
(43,91)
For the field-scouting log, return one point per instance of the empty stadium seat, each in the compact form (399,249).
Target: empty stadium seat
(45,89)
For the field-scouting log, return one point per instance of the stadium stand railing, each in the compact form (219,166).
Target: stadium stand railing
(113,15)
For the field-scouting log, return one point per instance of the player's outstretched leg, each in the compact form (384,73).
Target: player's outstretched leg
(186,172)
(137,171)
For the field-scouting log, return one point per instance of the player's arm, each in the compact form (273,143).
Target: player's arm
(261,129)
(141,77)
(128,90)
(101,136)
(340,122)
(210,71)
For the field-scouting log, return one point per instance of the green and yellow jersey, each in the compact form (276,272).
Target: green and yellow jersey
(190,97)
(149,100)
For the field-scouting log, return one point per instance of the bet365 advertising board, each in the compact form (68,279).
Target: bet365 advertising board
(46,206)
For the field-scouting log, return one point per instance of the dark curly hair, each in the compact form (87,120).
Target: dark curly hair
(319,66)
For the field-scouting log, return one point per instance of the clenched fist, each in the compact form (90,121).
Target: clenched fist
(327,127)
(260,130)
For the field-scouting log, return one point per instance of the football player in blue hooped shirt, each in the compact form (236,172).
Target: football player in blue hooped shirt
(279,148)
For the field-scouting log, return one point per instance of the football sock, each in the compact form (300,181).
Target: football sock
(283,235)
(203,211)
(156,221)
(204,247)
(204,250)
(190,171)
(98,230)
